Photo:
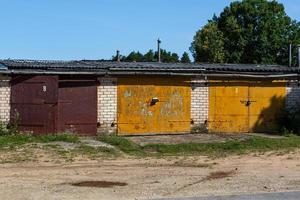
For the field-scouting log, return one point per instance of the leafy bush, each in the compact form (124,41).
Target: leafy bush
(13,125)
(3,129)
(289,121)
(201,128)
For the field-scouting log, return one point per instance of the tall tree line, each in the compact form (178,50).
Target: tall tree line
(248,31)
(152,56)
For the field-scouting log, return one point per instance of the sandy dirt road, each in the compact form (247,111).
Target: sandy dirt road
(149,178)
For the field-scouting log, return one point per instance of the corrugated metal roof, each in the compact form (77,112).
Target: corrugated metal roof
(2,67)
(109,66)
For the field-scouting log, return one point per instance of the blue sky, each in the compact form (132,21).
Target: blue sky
(94,29)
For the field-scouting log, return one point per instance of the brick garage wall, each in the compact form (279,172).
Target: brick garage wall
(199,101)
(4,99)
(107,105)
(292,94)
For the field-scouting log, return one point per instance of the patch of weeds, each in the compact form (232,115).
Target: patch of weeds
(66,155)
(57,138)
(3,129)
(17,159)
(51,146)
(11,141)
(93,152)
(253,144)
(25,155)
(198,129)
(123,144)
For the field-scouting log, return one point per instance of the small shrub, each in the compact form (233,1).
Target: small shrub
(201,128)
(123,144)
(289,120)
(3,129)
(13,125)
(12,141)
(64,137)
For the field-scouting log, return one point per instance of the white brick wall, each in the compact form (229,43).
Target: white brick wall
(292,94)
(107,104)
(4,99)
(199,100)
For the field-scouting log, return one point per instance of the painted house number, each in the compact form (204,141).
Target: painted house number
(44,88)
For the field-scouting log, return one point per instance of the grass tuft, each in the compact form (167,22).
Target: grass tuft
(230,147)
(57,138)
(123,144)
(10,141)
(93,152)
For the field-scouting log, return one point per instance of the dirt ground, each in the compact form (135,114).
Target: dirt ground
(148,178)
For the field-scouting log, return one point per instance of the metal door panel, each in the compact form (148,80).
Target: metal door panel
(245,106)
(77,110)
(227,112)
(34,101)
(136,115)
(267,100)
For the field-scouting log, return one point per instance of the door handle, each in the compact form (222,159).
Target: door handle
(247,102)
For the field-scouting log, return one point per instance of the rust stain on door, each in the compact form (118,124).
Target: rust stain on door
(153,105)
(245,106)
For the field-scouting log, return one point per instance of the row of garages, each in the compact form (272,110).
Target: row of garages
(87,97)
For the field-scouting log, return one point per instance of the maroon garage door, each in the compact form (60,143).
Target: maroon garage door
(77,110)
(47,105)
(34,101)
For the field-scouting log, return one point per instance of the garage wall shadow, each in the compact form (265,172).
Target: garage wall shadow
(269,117)
(283,113)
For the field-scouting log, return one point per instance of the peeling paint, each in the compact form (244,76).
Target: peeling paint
(171,114)
(127,93)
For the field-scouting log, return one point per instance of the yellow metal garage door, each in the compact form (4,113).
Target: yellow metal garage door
(267,100)
(244,106)
(227,113)
(138,113)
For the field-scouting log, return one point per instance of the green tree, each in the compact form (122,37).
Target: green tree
(208,44)
(149,56)
(185,58)
(114,58)
(253,31)
(167,56)
(134,57)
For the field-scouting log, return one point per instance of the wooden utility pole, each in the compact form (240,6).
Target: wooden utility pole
(290,55)
(299,56)
(118,56)
(158,51)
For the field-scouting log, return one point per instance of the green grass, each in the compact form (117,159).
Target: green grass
(93,152)
(59,137)
(123,145)
(10,141)
(253,144)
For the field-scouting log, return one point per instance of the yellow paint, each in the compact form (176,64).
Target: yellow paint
(229,111)
(137,116)
(268,100)
(226,112)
